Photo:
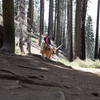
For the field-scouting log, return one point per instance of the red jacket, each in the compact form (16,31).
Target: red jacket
(47,40)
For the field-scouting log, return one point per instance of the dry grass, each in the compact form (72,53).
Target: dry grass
(80,63)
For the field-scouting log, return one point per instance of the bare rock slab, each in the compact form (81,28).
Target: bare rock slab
(20,94)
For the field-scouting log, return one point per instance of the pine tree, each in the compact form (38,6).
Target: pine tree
(89,38)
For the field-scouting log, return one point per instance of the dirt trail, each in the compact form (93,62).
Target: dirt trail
(91,70)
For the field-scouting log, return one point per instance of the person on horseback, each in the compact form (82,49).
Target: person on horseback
(47,41)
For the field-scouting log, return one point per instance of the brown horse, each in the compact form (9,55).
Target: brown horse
(47,51)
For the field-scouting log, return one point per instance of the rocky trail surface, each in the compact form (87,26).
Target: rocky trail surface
(33,78)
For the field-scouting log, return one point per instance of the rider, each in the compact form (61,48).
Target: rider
(47,41)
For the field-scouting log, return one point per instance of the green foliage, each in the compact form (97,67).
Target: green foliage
(89,38)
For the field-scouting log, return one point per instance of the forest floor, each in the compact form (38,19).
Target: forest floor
(30,77)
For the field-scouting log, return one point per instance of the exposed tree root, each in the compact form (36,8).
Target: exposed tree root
(38,69)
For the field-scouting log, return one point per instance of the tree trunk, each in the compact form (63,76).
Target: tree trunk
(84,9)
(55,22)
(81,7)
(21,14)
(30,23)
(78,29)
(97,33)
(8,22)
(69,30)
(0,7)
(58,35)
(50,24)
(41,20)
(1,35)
(64,25)
(22,9)
(30,15)
(16,7)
